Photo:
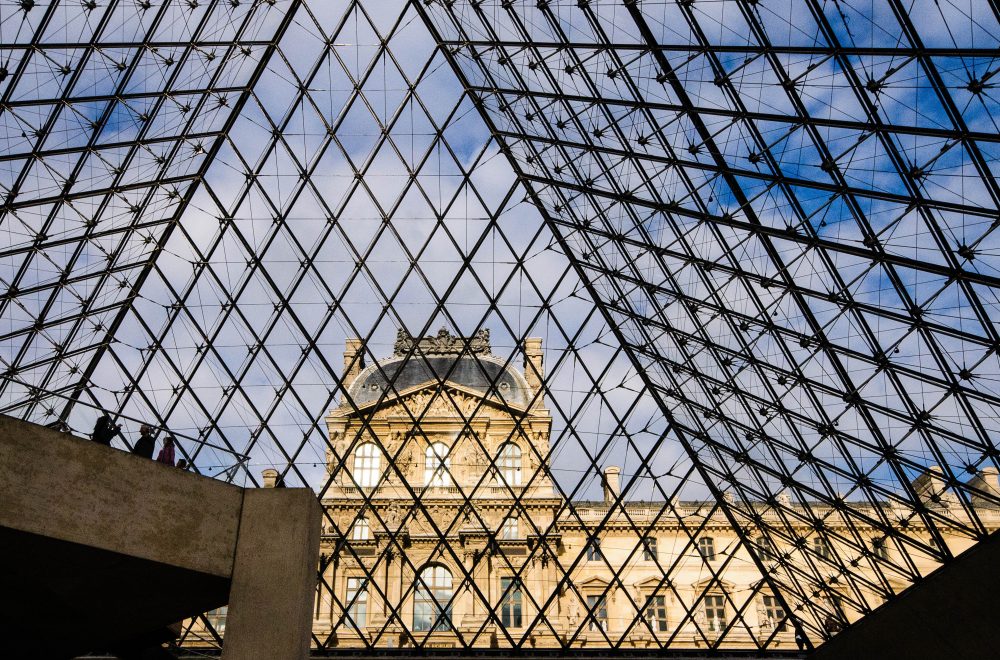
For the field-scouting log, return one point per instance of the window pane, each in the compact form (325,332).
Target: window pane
(510,606)
(360,530)
(510,464)
(367,465)
(598,613)
(217,618)
(357,601)
(774,614)
(821,547)
(656,613)
(715,613)
(706,548)
(437,464)
(432,600)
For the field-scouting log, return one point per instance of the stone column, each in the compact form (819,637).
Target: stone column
(274,576)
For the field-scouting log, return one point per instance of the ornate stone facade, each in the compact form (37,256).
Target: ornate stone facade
(468,437)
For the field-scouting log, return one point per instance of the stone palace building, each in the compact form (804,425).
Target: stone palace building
(467,434)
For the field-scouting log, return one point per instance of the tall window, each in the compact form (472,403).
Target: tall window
(357,600)
(649,549)
(432,600)
(765,549)
(821,547)
(598,613)
(715,613)
(509,461)
(437,465)
(656,613)
(361,530)
(510,605)
(510,530)
(367,465)
(774,614)
(706,548)
(594,549)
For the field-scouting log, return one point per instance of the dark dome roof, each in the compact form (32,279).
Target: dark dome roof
(474,373)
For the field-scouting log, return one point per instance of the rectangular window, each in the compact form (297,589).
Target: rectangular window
(509,530)
(598,613)
(360,530)
(510,605)
(715,613)
(594,550)
(649,549)
(765,549)
(774,614)
(357,600)
(706,548)
(656,613)
(821,547)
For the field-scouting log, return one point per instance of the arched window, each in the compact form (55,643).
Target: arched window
(367,465)
(432,599)
(437,465)
(509,463)
(360,530)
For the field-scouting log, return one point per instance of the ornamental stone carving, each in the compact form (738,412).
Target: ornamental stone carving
(443,343)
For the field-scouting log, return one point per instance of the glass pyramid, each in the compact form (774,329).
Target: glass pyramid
(749,242)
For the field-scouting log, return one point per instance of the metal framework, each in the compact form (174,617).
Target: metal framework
(758,237)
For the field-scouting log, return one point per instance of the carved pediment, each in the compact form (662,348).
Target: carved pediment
(654,582)
(593,583)
(714,585)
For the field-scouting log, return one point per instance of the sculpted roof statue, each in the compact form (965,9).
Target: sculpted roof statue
(443,343)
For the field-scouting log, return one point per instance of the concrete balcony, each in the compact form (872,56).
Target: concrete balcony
(104,550)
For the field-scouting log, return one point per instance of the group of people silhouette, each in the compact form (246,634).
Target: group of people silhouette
(105,430)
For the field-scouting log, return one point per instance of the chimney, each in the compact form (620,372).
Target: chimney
(932,488)
(354,360)
(612,486)
(988,482)
(270,476)
(533,369)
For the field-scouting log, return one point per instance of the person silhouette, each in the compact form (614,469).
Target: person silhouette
(166,455)
(800,638)
(145,445)
(105,430)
